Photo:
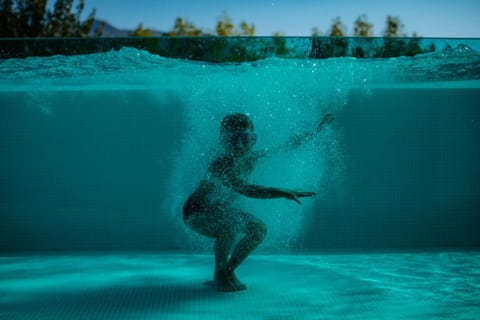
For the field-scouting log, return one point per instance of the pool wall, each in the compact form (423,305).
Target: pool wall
(411,177)
(84,175)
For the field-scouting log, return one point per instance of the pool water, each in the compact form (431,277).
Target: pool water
(100,151)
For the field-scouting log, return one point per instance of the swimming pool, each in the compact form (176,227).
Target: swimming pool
(99,152)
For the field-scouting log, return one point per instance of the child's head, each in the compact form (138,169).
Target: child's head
(236,133)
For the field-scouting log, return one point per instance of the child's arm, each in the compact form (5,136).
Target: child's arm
(261,192)
(298,139)
(223,169)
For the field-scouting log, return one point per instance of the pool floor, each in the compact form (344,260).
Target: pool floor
(427,285)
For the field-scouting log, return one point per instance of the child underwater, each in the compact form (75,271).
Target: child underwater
(209,210)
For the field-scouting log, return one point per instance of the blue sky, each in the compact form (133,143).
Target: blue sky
(429,18)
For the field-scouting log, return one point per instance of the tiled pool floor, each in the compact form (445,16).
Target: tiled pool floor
(170,286)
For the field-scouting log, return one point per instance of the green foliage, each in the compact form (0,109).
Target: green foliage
(362,28)
(22,18)
(30,18)
(246,29)
(329,47)
(394,27)
(225,27)
(337,29)
(395,47)
(64,23)
(184,28)
(140,31)
(280,46)
(316,32)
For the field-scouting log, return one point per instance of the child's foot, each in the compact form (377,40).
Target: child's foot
(238,284)
(226,281)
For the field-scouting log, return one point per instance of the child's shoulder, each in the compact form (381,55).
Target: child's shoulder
(221,163)
(223,160)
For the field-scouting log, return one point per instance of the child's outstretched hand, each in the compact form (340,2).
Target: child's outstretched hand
(326,120)
(294,195)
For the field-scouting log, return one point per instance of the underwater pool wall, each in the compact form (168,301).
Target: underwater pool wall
(88,167)
(411,176)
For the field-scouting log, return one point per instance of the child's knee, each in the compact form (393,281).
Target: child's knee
(226,233)
(258,230)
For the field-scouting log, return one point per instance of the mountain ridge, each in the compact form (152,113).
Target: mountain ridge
(109,30)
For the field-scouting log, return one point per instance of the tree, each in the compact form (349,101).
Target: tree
(394,47)
(142,32)
(338,29)
(394,27)
(225,27)
(280,45)
(246,29)
(316,32)
(30,18)
(183,27)
(22,18)
(331,47)
(362,28)
(64,23)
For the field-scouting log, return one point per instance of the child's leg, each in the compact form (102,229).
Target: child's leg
(224,225)
(254,230)
(216,225)
(223,246)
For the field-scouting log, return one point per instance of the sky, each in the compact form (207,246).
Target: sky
(428,18)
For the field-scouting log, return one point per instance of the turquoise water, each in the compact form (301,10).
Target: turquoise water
(100,151)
